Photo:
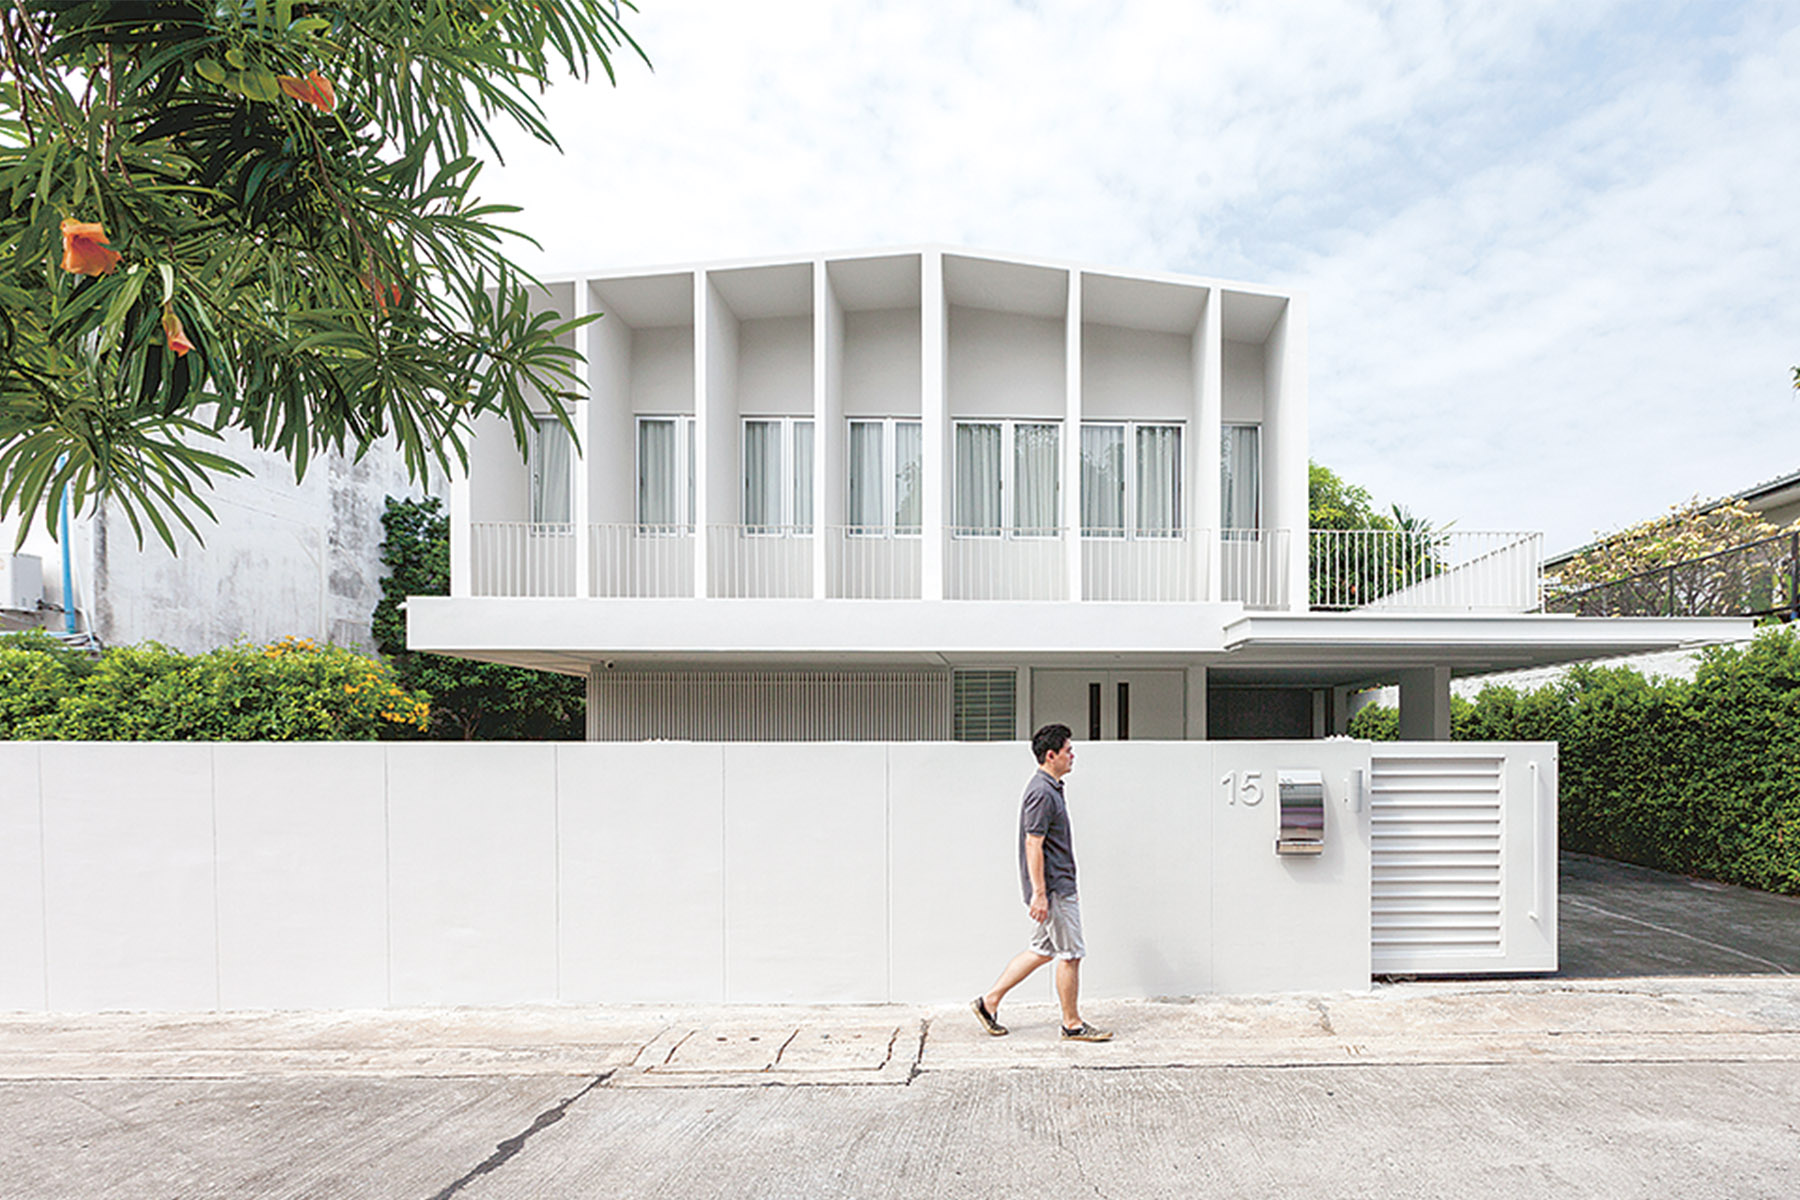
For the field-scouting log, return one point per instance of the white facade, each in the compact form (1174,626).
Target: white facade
(819,473)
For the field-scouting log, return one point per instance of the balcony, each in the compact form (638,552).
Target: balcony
(1350,570)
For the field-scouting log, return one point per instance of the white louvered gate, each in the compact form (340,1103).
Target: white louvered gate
(1463,857)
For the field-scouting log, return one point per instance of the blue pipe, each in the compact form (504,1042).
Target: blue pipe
(63,536)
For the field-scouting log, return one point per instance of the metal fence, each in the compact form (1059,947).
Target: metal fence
(518,558)
(641,560)
(1429,571)
(1753,580)
(1253,567)
(1166,568)
(993,564)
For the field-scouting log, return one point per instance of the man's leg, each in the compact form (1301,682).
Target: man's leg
(1022,965)
(1068,990)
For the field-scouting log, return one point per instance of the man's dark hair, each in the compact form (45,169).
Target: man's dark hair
(1049,740)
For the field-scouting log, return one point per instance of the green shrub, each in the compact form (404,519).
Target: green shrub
(291,690)
(36,674)
(1701,778)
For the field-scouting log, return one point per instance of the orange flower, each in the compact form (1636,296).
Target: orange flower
(315,90)
(178,340)
(85,251)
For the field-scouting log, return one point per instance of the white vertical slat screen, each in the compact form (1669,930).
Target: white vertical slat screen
(770,705)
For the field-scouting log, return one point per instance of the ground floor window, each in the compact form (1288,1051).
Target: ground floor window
(985,705)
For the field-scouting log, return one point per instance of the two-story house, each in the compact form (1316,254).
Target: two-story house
(931,494)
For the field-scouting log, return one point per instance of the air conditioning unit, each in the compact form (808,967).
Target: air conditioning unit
(21,582)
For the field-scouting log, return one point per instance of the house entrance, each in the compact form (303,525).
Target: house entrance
(1112,705)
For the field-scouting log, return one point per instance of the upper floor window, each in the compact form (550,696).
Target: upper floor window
(1240,477)
(1130,480)
(1008,477)
(665,470)
(886,464)
(550,458)
(778,473)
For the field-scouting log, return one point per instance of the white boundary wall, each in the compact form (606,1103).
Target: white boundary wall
(245,876)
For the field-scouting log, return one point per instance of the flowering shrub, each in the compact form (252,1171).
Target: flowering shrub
(290,690)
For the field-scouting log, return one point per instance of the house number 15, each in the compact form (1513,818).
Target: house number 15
(1242,787)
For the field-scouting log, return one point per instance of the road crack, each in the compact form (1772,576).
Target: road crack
(511,1146)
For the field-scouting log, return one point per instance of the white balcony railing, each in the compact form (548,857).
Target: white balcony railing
(1452,571)
(641,560)
(864,563)
(756,562)
(1253,567)
(516,558)
(994,564)
(1165,568)
(1365,570)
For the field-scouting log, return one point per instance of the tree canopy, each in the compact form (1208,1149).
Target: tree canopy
(260,216)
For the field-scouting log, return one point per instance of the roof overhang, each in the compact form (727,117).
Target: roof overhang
(572,635)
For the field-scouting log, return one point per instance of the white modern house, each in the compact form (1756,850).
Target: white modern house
(929,493)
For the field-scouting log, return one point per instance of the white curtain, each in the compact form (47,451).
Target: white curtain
(1103,480)
(1240,477)
(909,484)
(978,477)
(762,473)
(658,474)
(865,475)
(1158,480)
(803,475)
(552,473)
(1036,475)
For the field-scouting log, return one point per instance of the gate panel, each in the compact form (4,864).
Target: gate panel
(1463,864)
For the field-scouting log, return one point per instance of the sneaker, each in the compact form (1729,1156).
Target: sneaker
(1086,1033)
(994,1028)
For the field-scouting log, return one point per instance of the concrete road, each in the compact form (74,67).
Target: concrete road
(1649,1088)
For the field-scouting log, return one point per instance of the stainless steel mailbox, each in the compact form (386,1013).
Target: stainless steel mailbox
(1302,804)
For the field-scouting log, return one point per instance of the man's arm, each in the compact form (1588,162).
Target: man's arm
(1039,907)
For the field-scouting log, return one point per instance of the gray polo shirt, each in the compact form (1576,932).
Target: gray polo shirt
(1043,813)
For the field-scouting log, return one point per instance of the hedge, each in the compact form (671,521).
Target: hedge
(1702,778)
(290,690)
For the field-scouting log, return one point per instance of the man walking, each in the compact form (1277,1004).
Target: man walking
(1047,877)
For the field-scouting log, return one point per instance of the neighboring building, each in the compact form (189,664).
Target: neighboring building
(284,559)
(930,493)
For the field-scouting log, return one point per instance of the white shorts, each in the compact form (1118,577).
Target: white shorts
(1058,935)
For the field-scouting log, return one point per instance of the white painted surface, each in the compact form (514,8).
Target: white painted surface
(322,875)
(881,363)
(1136,374)
(640,863)
(129,886)
(472,873)
(1004,364)
(21,879)
(775,367)
(302,875)
(806,873)
(1243,381)
(1287,923)
(662,371)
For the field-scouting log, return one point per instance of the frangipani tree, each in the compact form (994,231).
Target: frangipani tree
(258,215)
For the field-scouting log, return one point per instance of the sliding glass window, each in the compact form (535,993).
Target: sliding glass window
(550,454)
(1240,477)
(885,490)
(665,470)
(778,458)
(1131,480)
(1008,476)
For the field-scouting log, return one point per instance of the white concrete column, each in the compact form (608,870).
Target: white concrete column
(1285,454)
(1340,710)
(702,429)
(461,551)
(828,430)
(1071,456)
(580,415)
(1425,704)
(934,325)
(1022,714)
(1203,462)
(1196,704)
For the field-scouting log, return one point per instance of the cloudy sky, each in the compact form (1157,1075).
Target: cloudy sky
(1551,248)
